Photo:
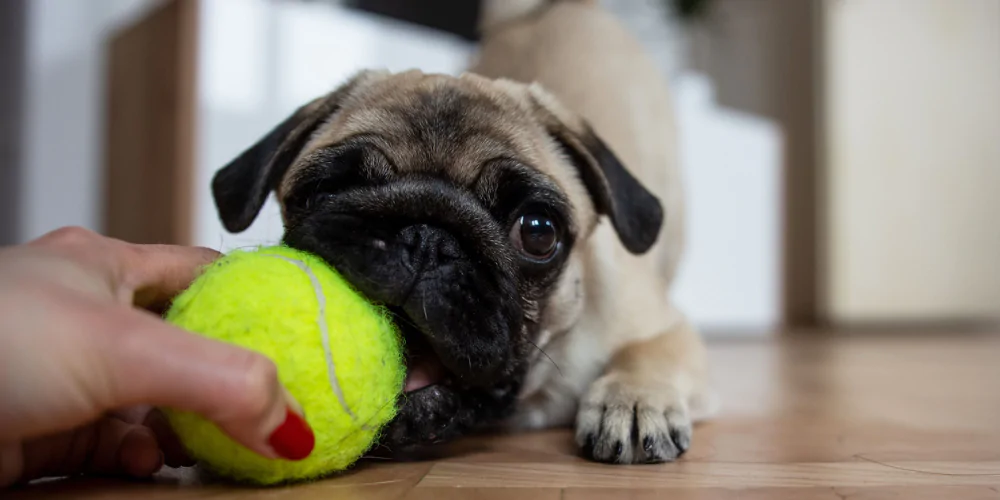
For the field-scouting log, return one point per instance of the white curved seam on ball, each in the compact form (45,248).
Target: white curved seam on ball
(323,329)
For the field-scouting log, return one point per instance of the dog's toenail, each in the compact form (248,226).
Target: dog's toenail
(681,441)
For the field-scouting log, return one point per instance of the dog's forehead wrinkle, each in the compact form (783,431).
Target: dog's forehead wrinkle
(458,154)
(439,124)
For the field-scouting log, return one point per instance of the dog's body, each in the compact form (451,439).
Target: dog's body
(499,225)
(630,351)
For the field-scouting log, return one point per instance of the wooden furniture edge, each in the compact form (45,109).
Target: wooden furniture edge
(150,126)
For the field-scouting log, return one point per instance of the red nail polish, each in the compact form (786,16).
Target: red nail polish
(293,439)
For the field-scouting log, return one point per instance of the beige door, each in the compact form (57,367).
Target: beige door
(912,138)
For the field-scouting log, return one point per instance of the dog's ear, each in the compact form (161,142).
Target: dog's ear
(635,213)
(241,187)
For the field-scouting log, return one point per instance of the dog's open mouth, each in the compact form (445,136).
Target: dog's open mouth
(423,366)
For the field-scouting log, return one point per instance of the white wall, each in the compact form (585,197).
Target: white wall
(61,154)
(729,280)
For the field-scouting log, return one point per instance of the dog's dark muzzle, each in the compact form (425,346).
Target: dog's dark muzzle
(434,256)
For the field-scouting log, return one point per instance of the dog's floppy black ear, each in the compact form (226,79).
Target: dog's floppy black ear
(635,213)
(241,187)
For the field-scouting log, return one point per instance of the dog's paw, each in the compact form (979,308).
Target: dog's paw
(626,421)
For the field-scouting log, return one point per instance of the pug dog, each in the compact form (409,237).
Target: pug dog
(522,221)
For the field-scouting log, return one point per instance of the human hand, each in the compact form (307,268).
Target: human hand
(83,363)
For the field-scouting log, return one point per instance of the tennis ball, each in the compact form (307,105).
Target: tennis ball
(336,353)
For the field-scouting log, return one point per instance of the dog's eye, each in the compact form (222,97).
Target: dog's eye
(318,200)
(536,236)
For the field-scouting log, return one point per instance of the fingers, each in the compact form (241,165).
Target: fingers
(130,442)
(150,362)
(142,360)
(138,454)
(146,275)
(174,453)
(109,446)
(153,274)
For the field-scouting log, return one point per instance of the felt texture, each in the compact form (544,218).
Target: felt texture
(265,301)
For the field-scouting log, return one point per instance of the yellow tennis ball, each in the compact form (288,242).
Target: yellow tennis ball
(336,353)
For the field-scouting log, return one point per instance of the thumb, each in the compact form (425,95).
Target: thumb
(152,362)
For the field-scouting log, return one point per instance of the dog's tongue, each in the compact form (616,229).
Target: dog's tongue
(422,372)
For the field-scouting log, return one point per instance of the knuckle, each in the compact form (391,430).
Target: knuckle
(258,385)
(206,254)
(69,236)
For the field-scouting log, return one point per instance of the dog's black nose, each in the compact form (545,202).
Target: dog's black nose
(425,247)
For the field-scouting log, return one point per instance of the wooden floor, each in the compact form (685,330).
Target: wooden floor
(848,417)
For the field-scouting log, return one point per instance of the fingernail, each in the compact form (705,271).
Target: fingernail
(292,402)
(293,439)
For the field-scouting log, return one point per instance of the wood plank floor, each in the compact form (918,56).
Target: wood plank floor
(832,417)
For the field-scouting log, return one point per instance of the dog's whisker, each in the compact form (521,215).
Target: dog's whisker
(546,356)
(403,318)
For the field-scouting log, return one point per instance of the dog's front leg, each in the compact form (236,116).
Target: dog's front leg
(640,409)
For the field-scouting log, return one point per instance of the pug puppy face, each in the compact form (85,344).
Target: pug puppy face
(461,203)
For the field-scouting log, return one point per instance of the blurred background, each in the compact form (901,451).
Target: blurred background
(842,157)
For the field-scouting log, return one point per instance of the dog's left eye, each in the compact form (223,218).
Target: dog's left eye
(535,236)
